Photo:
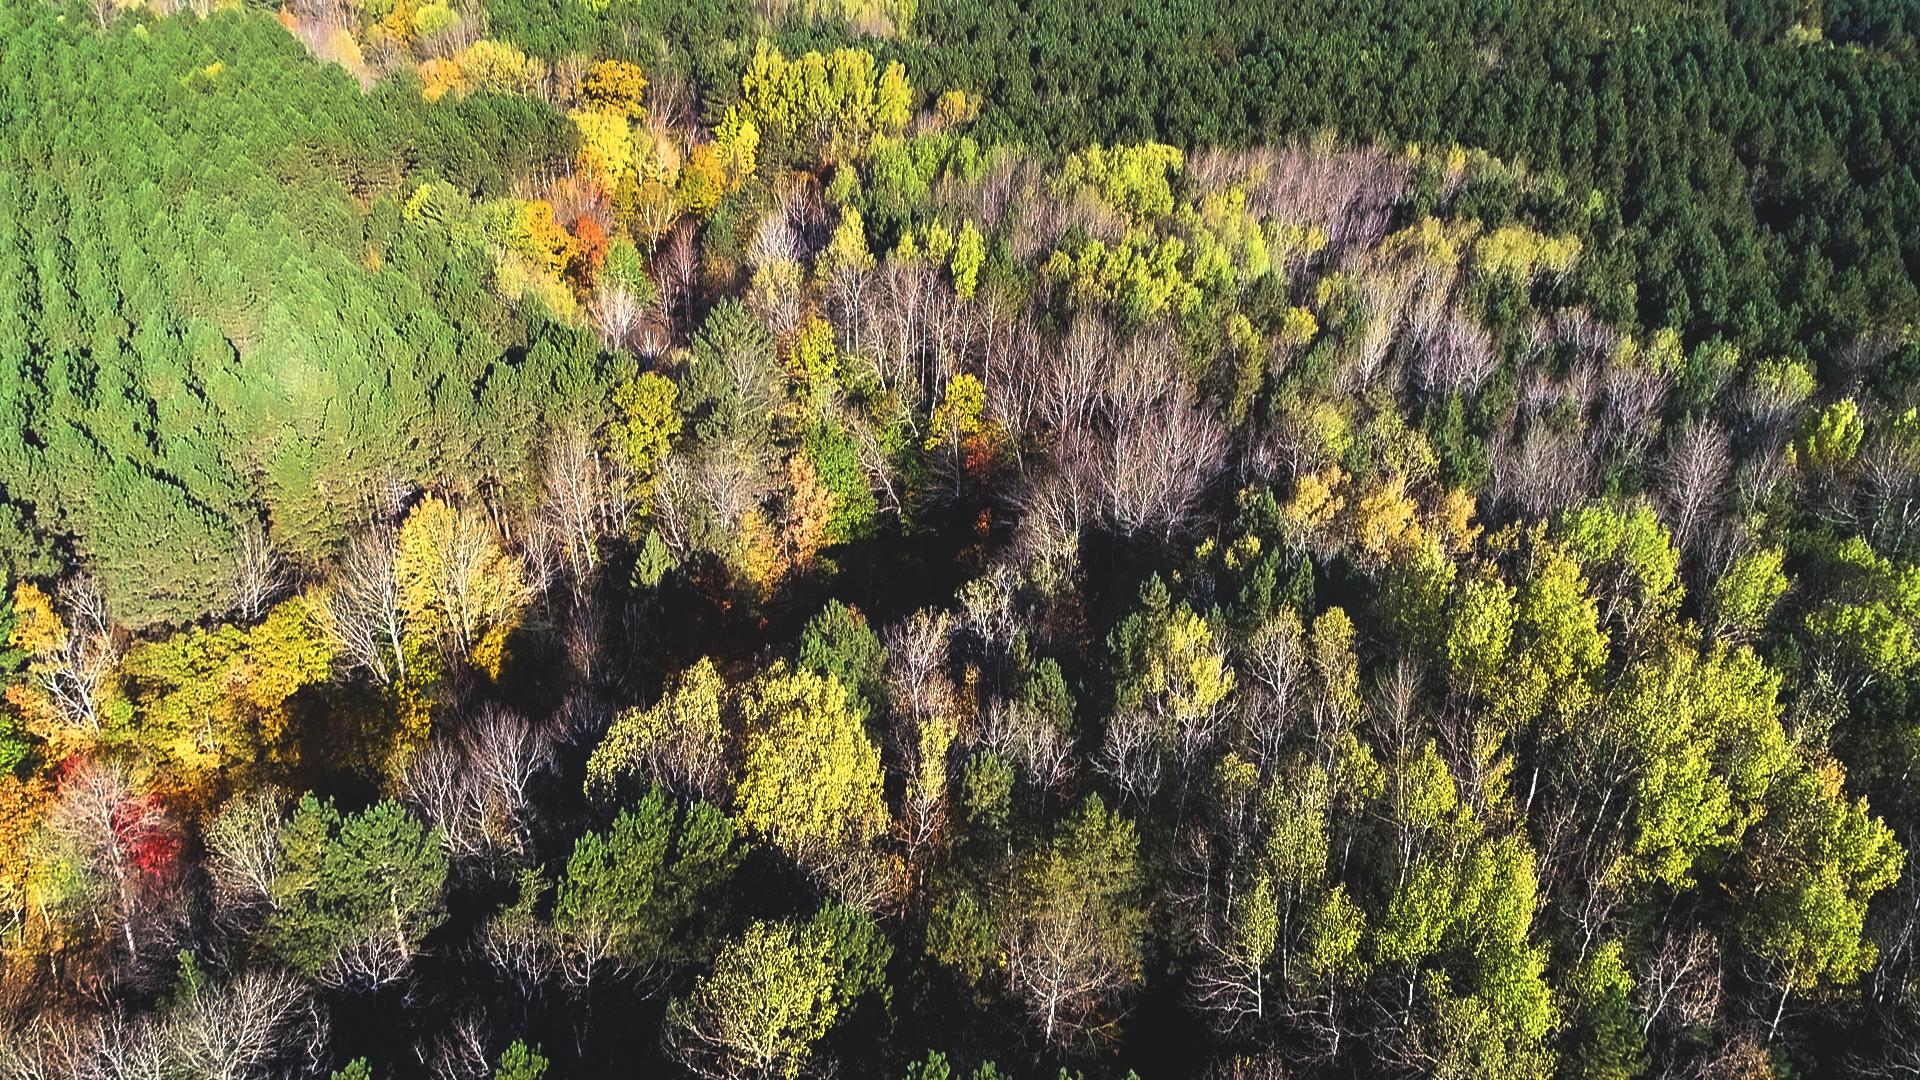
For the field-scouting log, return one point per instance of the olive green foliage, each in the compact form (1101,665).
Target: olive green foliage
(632,893)
(1368,539)
(354,896)
(775,991)
(839,643)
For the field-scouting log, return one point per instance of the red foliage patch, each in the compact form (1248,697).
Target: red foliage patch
(147,836)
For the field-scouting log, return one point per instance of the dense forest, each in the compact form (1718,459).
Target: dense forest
(959,539)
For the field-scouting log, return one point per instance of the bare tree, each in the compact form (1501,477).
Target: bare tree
(1029,740)
(243,853)
(616,312)
(1153,450)
(459,1052)
(580,502)
(75,674)
(1054,515)
(1275,667)
(66,1046)
(1072,372)
(1541,472)
(360,607)
(242,1029)
(1454,355)
(476,786)
(258,576)
(1632,396)
(123,841)
(1132,754)
(1889,487)
(675,269)
(1066,963)
(379,958)
(916,650)
(1229,980)
(1680,983)
(1694,478)
(925,711)
(518,944)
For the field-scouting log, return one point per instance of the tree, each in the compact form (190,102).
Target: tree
(72,661)
(220,699)
(361,607)
(616,85)
(1605,1041)
(1630,559)
(1815,862)
(1696,472)
(644,426)
(1232,980)
(1701,740)
(243,853)
(969,255)
(354,896)
(1074,933)
(109,863)
(606,144)
(628,896)
(475,785)
(809,778)
(827,107)
(681,742)
(774,992)
(839,643)
(1171,679)
(457,586)
(1743,597)
(1833,437)
(242,1028)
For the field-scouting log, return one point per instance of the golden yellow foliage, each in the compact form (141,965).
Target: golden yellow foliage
(606,145)
(441,76)
(1522,253)
(957,107)
(811,780)
(1317,499)
(37,628)
(757,553)
(23,803)
(1453,520)
(495,65)
(1384,523)
(457,584)
(615,86)
(703,180)
(1298,326)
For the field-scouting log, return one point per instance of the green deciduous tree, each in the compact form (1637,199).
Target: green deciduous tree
(774,992)
(681,742)
(1814,862)
(809,778)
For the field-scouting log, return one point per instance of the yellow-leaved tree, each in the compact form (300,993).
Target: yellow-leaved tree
(218,700)
(616,85)
(809,778)
(459,587)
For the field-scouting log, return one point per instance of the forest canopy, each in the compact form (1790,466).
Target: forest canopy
(949,538)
